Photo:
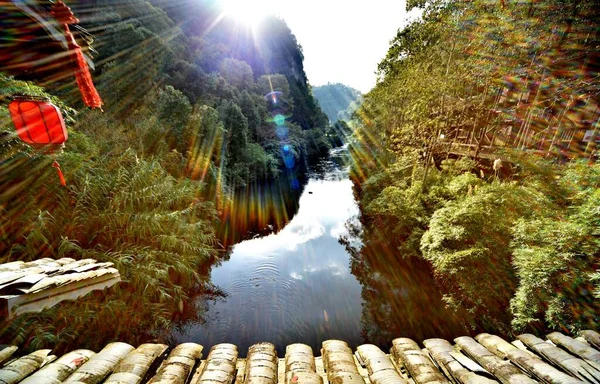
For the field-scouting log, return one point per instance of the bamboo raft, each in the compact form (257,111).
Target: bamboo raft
(481,360)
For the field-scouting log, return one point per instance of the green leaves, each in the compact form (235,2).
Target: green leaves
(555,258)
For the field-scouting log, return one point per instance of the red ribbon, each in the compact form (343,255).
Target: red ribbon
(61,177)
(89,94)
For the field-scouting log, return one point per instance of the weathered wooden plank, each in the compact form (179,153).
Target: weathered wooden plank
(261,364)
(219,367)
(406,352)
(503,370)
(519,344)
(470,364)
(196,376)
(497,345)
(379,366)
(561,359)
(591,337)
(539,369)
(441,352)
(22,367)
(99,366)
(339,363)
(576,347)
(321,369)
(300,365)
(362,371)
(133,368)
(240,367)
(33,286)
(179,365)
(60,369)
(6,351)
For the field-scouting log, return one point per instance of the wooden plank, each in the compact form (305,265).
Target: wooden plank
(561,359)
(591,337)
(240,368)
(519,344)
(6,351)
(100,365)
(196,376)
(362,371)
(179,365)
(339,363)
(497,345)
(299,365)
(470,364)
(406,352)
(503,370)
(60,369)
(539,369)
(133,368)
(441,352)
(38,301)
(321,369)
(576,347)
(380,368)
(219,367)
(22,367)
(261,364)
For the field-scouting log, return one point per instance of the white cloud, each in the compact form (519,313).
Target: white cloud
(324,211)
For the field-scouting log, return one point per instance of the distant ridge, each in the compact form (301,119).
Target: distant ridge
(338,101)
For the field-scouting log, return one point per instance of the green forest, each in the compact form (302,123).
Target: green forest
(514,247)
(193,113)
(467,159)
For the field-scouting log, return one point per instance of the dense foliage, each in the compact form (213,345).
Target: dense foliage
(191,114)
(516,248)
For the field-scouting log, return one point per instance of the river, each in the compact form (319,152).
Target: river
(302,284)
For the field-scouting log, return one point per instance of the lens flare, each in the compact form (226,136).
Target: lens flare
(247,12)
(272,96)
(279,119)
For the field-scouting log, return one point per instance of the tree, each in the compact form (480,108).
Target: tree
(237,73)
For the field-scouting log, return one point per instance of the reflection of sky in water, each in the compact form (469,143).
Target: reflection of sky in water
(293,286)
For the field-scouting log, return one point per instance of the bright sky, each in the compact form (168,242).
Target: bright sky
(343,40)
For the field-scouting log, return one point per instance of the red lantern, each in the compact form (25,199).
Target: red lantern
(38,122)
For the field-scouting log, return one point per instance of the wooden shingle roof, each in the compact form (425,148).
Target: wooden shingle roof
(33,286)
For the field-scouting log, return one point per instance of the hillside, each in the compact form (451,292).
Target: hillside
(190,116)
(338,101)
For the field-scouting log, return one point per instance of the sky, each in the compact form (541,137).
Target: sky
(343,40)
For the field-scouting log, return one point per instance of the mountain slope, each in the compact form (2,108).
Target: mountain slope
(338,101)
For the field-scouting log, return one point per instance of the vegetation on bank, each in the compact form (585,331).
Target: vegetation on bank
(512,250)
(190,116)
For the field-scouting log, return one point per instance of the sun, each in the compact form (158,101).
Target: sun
(249,12)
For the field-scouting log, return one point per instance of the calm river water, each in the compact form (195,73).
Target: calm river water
(302,285)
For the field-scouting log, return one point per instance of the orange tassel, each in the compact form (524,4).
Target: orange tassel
(61,177)
(89,94)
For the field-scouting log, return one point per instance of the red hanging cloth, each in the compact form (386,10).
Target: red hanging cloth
(61,177)
(64,16)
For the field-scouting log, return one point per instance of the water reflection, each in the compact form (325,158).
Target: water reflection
(400,298)
(304,284)
(261,208)
(293,286)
